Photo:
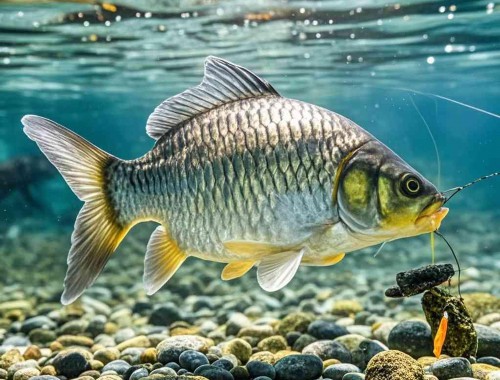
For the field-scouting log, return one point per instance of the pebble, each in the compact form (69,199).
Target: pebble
(273,344)
(213,373)
(412,337)
(70,364)
(491,360)
(164,371)
(26,373)
(224,363)
(139,373)
(354,376)
(326,330)
(327,349)
(107,355)
(191,360)
(239,348)
(170,349)
(450,368)
(164,315)
(256,368)
(119,366)
(138,341)
(393,365)
(337,371)
(299,367)
(488,341)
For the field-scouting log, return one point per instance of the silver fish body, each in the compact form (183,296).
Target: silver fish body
(257,169)
(239,175)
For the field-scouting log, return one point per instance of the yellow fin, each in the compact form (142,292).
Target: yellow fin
(254,249)
(325,261)
(236,269)
(163,258)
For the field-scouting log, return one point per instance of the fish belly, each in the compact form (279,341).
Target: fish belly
(256,170)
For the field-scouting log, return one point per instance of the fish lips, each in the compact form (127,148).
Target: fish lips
(432,215)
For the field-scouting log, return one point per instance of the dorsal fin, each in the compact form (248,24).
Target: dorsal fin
(223,82)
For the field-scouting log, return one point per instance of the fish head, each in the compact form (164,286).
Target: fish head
(382,197)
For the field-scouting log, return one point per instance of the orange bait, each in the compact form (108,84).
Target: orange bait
(441,335)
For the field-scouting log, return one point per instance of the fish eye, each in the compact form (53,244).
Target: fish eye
(411,186)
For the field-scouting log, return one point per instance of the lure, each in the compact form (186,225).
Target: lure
(441,335)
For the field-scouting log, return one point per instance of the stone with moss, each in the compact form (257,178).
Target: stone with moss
(273,344)
(461,337)
(394,365)
(295,322)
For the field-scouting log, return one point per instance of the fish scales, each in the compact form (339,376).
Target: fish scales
(227,165)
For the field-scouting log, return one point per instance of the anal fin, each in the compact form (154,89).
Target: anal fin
(255,249)
(163,259)
(324,261)
(276,271)
(236,269)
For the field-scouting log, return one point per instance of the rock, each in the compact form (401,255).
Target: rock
(149,355)
(461,338)
(70,363)
(239,348)
(350,341)
(273,344)
(295,322)
(327,349)
(75,327)
(38,322)
(165,315)
(303,341)
(256,369)
(170,349)
(107,355)
(236,322)
(299,367)
(42,336)
(480,304)
(163,371)
(213,373)
(412,337)
(139,373)
(138,341)
(10,357)
(326,330)
(240,373)
(191,360)
(16,341)
(393,365)
(45,377)
(346,308)
(337,371)
(382,330)
(257,331)
(119,366)
(481,370)
(75,340)
(450,368)
(32,352)
(488,341)
(491,360)
(354,376)
(493,375)
(263,356)
(26,373)
(48,370)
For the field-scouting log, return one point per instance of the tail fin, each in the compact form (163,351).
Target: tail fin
(97,232)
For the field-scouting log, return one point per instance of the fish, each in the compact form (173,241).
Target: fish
(21,174)
(239,175)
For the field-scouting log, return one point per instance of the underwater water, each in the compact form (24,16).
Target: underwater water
(100,69)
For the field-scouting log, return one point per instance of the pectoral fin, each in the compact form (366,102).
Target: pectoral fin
(236,269)
(276,271)
(163,259)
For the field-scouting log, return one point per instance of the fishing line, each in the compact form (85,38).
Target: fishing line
(458,189)
(455,256)
(438,159)
(450,100)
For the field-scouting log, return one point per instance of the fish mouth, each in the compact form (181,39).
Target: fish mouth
(432,215)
